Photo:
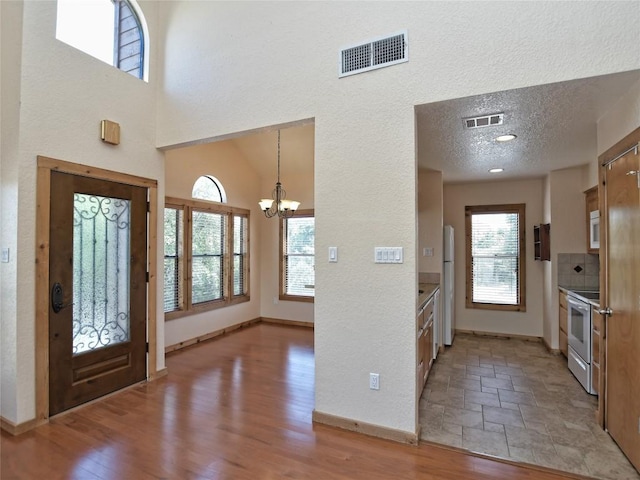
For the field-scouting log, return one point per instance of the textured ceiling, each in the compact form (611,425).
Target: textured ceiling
(555,126)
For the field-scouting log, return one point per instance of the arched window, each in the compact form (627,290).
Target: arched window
(209,188)
(113,31)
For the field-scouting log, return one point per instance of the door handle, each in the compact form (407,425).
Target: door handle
(605,311)
(57,295)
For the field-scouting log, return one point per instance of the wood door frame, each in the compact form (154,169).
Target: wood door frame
(43,207)
(627,142)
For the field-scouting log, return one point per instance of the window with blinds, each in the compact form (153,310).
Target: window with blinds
(495,256)
(206,262)
(207,242)
(240,252)
(297,278)
(173,258)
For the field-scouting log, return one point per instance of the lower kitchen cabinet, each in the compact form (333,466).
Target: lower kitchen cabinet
(563,316)
(424,338)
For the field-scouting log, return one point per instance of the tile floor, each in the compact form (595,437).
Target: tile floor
(512,399)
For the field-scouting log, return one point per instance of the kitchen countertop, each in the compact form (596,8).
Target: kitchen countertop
(574,291)
(429,289)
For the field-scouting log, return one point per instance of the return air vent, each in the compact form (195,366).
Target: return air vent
(377,53)
(484,121)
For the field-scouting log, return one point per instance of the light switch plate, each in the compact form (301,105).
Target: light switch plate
(5,255)
(388,255)
(333,254)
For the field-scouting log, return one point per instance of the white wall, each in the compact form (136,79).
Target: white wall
(567,214)
(430,220)
(222,160)
(10,58)
(63,95)
(243,187)
(548,270)
(365,172)
(299,187)
(621,119)
(529,192)
(217,76)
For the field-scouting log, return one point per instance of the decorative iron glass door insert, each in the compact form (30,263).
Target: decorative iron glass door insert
(97,317)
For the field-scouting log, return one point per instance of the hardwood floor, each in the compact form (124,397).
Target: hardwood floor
(237,407)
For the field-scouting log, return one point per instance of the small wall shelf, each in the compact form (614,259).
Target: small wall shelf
(541,241)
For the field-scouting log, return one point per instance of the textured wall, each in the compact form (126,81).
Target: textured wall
(10,35)
(620,120)
(365,174)
(568,234)
(430,220)
(64,94)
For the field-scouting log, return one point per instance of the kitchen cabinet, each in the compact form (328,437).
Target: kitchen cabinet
(425,342)
(563,315)
(541,242)
(597,348)
(593,220)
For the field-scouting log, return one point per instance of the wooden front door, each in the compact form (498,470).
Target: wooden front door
(622,184)
(97,288)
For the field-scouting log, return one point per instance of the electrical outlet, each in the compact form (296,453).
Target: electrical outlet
(275,300)
(5,255)
(374,381)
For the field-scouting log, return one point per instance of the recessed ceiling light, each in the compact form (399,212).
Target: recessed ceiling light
(505,138)
(496,170)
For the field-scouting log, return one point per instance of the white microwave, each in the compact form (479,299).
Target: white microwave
(594,229)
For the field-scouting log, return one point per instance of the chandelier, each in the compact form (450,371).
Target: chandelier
(277,205)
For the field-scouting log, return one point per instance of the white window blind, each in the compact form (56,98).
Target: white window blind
(299,256)
(173,238)
(208,235)
(495,254)
(240,251)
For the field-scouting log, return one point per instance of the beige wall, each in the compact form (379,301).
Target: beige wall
(430,220)
(567,215)
(205,86)
(529,192)
(63,95)
(365,141)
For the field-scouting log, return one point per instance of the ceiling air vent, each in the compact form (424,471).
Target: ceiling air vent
(377,53)
(484,121)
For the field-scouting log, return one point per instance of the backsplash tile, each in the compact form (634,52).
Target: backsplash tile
(579,270)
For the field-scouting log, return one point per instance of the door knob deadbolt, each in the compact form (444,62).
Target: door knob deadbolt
(57,298)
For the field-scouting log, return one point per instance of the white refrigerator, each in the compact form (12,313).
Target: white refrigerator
(448,285)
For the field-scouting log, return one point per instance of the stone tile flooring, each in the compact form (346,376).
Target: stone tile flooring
(512,399)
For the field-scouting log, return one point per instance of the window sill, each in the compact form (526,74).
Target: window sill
(496,306)
(296,298)
(206,307)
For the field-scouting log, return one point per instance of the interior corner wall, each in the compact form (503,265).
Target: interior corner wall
(430,220)
(568,232)
(63,95)
(549,271)
(299,187)
(10,66)
(183,166)
(619,121)
(529,192)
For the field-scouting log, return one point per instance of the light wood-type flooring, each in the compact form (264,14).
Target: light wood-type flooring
(237,407)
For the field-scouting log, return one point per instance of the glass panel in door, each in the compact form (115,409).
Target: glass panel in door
(101,251)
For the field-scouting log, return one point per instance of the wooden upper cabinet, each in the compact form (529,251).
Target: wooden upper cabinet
(542,242)
(593,224)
